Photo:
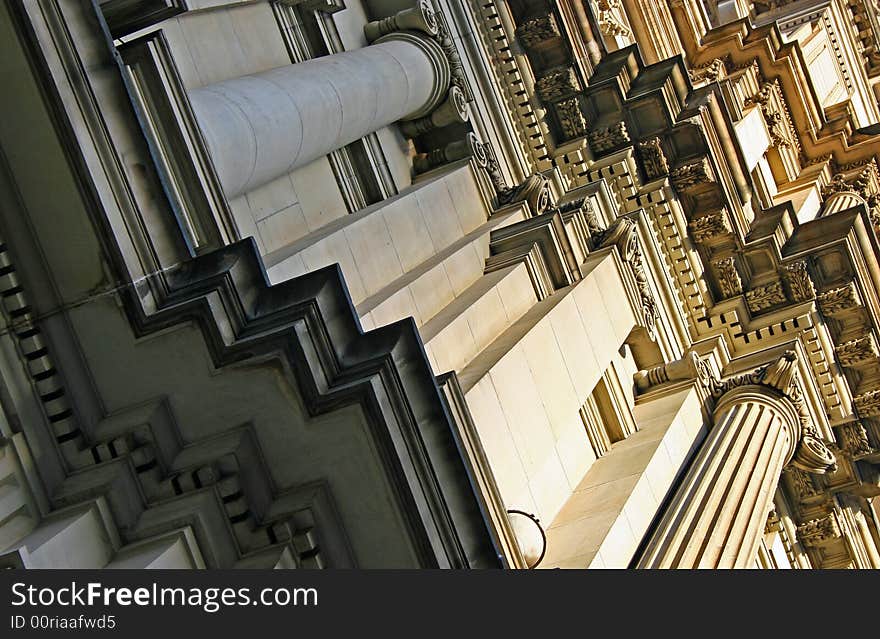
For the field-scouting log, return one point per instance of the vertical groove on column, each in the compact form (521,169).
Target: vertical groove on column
(731,487)
(727,487)
(740,507)
(754,527)
(675,530)
(717,517)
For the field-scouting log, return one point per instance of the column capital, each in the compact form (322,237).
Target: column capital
(779,381)
(453,110)
(442,73)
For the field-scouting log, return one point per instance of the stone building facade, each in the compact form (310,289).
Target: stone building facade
(440,283)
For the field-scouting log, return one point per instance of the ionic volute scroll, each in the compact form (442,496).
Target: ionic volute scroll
(780,377)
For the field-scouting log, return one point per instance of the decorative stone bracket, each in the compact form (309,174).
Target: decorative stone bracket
(623,234)
(535,189)
(819,532)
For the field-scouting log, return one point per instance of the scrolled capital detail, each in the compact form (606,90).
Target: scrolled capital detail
(813,456)
(453,110)
(810,453)
(535,190)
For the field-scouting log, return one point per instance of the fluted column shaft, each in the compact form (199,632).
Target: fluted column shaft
(718,514)
(259,127)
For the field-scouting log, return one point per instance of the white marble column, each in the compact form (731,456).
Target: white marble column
(261,126)
(728,490)
(717,516)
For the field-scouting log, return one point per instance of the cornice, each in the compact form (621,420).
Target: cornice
(782,62)
(311,322)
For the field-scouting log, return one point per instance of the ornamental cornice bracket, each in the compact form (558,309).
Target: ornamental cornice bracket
(819,532)
(535,190)
(854,440)
(711,71)
(538,29)
(810,454)
(623,234)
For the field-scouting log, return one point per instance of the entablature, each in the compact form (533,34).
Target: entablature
(821,131)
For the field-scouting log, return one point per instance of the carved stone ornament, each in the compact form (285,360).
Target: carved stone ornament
(538,29)
(868,404)
(556,84)
(623,235)
(691,175)
(811,454)
(535,190)
(780,125)
(763,297)
(456,66)
(838,300)
(711,72)
(453,111)
(814,456)
(610,18)
(709,226)
(493,169)
(571,118)
(602,140)
(819,532)
(800,284)
(854,440)
(862,185)
(802,485)
(728,277)
(838,184)
(585,207)
(857,351)
(653,159)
